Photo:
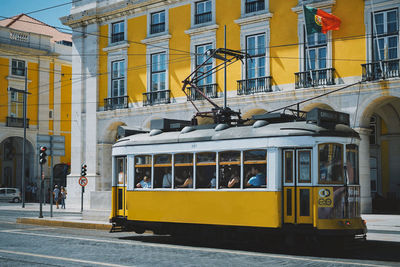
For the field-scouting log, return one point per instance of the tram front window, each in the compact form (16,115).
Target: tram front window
(162,171)
(330,163)
(143,171)
(229,170)
(352,164)
(121,171)
(183,170)
(206,170)
(255,168)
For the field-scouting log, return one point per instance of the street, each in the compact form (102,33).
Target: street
(34,245)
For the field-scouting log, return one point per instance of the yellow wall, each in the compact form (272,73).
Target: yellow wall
(179,66)
(66,91)
(4,70)
(136,81)
(238,208)
(33,98)
(284,49)
(103,75)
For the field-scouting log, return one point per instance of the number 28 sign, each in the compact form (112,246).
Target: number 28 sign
(83,181)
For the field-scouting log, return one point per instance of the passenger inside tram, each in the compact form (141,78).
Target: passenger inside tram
(257,178)
(140,173)
(187,178)
(145,183)
(234,182)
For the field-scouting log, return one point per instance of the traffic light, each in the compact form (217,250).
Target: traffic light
(42,155)
(83,170)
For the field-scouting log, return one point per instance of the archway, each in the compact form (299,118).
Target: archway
(382,117)
(11,162)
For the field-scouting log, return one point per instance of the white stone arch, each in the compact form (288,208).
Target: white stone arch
(249,111)
(322,105)
(109,134)
(146,122)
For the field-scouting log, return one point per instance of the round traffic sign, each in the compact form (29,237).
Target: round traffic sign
(83,181)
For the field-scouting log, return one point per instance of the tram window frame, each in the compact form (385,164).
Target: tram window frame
(330,167)
(160,170)
(247,174)
(292,167)
(212,179)
(308,151)
(234,182)
(351,148)
(147,172)
(178,164)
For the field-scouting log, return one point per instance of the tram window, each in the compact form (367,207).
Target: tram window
(121,170)
(304,166)
(183,170)
(162,171)
(352,164)
(330,163)
(289,166)
(229,170)
(255,168)
(143,171)
(206,170)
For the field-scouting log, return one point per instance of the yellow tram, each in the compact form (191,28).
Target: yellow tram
(277,175)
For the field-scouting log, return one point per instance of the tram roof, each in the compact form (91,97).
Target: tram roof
(301,128)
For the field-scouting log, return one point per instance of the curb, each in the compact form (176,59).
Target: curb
(70,224)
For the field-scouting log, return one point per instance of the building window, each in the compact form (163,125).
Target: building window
(200,59)
(118,32)
(254,5)
(373,134)
(256,50)
(118,78)
(18,67)
(386,35)
(315,51)
(17,102)
(203,12)
(157,22)
(158,71)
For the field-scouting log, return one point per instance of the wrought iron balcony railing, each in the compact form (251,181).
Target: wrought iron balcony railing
(156,97)
(210,90)
(202,18)
(313,78)
(381,70)
(255,85)
(17,122)
(156,28)
(117,37)
(254,6)
(118,102)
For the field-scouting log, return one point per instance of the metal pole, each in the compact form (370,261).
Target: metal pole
(41,188)
(225,70)
(51,176)
(82,198)
(23,144)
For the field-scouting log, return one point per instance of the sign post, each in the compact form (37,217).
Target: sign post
(82,182)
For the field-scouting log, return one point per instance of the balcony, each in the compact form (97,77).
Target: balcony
(156,28)
(381,70)
(156,97)
(210,90)
(16,122)
(314,78)
(119,102)
(202,18)
(254,6)
(117,37)
(255,85)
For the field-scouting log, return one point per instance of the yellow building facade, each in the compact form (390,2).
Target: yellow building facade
(135,54)
(35,57)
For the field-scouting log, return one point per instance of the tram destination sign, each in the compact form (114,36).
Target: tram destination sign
(55,144)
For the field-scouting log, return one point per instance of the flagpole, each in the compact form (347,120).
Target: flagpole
(305,44)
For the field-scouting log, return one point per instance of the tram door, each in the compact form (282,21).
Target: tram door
(121,186)
(297,187)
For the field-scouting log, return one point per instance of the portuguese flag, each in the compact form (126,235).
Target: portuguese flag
(318,20)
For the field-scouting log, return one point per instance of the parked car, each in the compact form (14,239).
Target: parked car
(10,195)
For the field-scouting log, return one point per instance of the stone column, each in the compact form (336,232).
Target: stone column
(365,179)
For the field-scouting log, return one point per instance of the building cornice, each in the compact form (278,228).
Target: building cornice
(253,19)
(113,47)
(201,30)
(156,39)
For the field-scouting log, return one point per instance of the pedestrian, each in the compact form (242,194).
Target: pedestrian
(63,194)
(56,194)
